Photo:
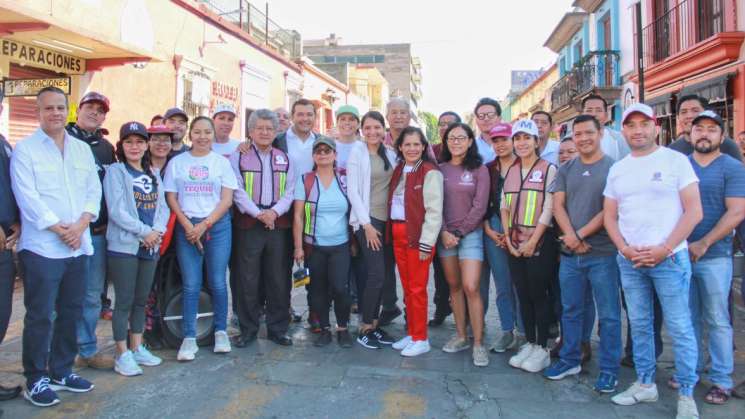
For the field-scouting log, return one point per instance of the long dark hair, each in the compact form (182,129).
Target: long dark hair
(422,138)
(472,159)
(381,148)
(145,161)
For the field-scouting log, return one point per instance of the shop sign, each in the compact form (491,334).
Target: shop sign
(224,91)
(41,57)
(31,87)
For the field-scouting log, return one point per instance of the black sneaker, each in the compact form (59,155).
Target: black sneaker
(324,338)
(387,316)
(40,394)
(368,340)
(343,338)
(72,382)
(383,337)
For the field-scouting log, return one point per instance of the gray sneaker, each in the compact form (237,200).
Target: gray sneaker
(687,408)
(480,356)
(222,343)
(126,365)
(506,340)
(456,344)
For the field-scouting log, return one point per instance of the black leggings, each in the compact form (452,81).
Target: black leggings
(532,277)
(371,277)
(329,270)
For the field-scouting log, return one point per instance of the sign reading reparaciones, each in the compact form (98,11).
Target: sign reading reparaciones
(42,57)
(31,87)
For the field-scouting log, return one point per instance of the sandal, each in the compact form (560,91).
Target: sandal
(673,383)
(717,395)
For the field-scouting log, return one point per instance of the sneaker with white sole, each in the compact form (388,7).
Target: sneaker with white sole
(143,356)
(517,360)
(188,350)
(687,408)
(636,394)
(126,365)
(506,341)
(538,360)
(40,394)
(480,356)
(561,369)
(402,343)
(222,342)
(416,348)
(456,344)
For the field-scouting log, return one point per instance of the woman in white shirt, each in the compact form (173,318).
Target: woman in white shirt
(199,188)
(369,171)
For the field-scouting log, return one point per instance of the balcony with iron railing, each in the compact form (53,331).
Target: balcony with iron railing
(598,71)
(258,25)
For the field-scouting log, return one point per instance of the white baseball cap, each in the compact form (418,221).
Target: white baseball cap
(641,108)
(525,125)
(223,107)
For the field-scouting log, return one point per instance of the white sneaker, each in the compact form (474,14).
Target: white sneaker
(222,343)
(126,365)
(416,348)
(538,360)
(402,343)
(636,394)
(687,408)
(188,349)
(144,357)
(517,360)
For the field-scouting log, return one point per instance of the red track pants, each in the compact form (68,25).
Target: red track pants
(414,275)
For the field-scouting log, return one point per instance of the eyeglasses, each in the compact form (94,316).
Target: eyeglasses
(486,115)
(160,140)
(324,150)
(458,139)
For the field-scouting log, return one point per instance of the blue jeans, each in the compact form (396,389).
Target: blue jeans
(217,243)
(92,304)
(710,286)
(671,278)
(577,275)
(507,305)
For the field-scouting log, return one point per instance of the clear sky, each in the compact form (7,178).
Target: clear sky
(467,47)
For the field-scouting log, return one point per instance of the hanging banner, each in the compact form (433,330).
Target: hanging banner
(31,87)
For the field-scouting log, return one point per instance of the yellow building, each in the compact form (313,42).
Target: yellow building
(368,82)
(536,96)
(147,56)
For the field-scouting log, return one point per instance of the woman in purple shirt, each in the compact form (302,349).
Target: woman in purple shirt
(461,246)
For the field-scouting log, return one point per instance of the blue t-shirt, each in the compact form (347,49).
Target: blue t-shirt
(722,178)
(146,201)
(332,213)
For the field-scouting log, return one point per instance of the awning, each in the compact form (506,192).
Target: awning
(714,89)
(661,105)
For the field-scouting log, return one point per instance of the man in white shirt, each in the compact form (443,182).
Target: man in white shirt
(612,142)
(224,120)
(58,192)
(548,148)
(298,140)
(488,114)
(652,203)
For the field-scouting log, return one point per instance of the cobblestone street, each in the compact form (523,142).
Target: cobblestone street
(268,381)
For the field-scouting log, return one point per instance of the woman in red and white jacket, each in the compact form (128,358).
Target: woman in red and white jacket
(415,217)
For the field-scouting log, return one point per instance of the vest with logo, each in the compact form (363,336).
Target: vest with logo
(525,199)
(251,168)
(311,183)
(413,201)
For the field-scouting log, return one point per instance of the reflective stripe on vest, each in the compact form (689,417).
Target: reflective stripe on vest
(312,194)
(525,197)
(252,167)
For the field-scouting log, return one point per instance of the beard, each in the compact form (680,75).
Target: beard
(705,146)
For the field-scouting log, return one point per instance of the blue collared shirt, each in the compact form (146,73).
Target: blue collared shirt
(484,148)
(551,152)
(52,187)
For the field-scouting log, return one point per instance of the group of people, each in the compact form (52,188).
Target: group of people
(569,231)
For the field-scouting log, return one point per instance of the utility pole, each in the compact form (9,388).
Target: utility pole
(640,49)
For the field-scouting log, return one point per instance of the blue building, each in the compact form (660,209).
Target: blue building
(587,42)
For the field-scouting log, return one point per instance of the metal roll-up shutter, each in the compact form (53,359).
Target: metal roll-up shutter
(22,112)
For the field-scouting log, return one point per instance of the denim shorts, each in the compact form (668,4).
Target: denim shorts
(471,246)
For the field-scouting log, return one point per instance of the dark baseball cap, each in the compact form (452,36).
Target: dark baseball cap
(711,115)
(95,97)
(175,111)
(325,141)
(133,128)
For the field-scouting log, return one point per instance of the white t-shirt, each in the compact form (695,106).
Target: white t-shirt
(225,149)
(647,190)
(398,206)
(198,182)
(342,153)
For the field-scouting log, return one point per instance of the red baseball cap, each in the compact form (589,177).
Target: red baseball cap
(159,129)
(502,129)
(95,97)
